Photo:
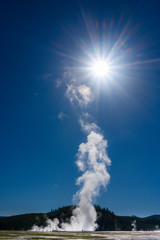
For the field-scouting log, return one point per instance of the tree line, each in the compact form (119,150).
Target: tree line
(106,220)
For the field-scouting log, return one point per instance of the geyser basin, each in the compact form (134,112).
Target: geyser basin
(117,235)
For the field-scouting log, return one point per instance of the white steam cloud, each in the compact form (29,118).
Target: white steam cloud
(50,226)
(81,93)
(76,90)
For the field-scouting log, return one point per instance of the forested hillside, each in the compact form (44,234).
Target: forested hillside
(107,220)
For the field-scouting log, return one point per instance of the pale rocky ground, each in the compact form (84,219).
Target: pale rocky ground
(24,235)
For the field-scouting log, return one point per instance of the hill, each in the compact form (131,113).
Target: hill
(106,219)
(154,216)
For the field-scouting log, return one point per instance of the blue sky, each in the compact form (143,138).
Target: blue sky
(39,41)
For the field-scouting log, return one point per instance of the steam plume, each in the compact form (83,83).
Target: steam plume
(91,160)
(133,224)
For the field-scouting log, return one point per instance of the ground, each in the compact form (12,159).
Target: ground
(26,235)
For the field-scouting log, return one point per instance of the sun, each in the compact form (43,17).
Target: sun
(100,68)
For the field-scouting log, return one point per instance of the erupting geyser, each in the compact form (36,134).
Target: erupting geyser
(91,160)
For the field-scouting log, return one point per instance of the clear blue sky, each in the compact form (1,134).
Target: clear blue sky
(37,149)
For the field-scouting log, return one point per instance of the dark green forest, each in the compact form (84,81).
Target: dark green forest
(106,219)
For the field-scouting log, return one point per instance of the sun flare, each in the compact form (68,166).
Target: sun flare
(100,68)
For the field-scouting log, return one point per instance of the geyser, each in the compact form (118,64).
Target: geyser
(92,160)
